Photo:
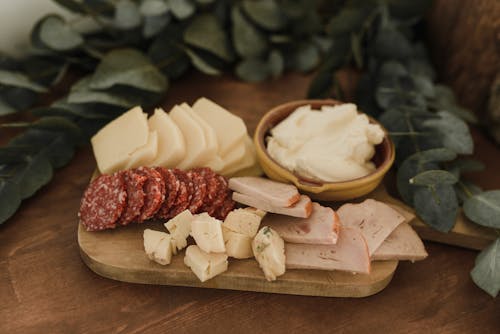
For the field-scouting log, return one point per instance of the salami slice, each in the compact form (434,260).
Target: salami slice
(227,206)
(222,189)
(154,187)
(199,191)
(184,194)
(134,184)
(103,202)
(212,189)
(172,186)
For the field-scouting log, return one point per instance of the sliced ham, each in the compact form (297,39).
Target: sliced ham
(301,209)
(275,193)
(408,215)
(374,219)
(321,227)
(402,244)
(350,253)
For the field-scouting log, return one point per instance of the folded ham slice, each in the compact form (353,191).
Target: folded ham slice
(402,244)
(275,193)
(321,227)
(301,209)
(374,219)
(350,253)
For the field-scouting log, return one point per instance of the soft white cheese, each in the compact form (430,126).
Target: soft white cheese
(204,265)
(179,228)
(332,144)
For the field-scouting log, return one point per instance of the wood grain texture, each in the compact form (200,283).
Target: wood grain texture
(46,288)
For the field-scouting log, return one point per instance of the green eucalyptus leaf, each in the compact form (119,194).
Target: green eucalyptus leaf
(453,131)
(424,85)
(347,21)
(462,113)
(486,272)
(391,43)
(421,68)
(18,79)
(58,124)
(437,206)
(98,8)
(6,108)
(82,93)
(154,7)
(205,32)
(202,64)
(357,51)
(128,67)
(127,15)
(182,9)
(155,24)
(465,190)
(321,85)
(19,98)
(34,173)
(247,39)
(275,63)
(266,13)
(484,208)
(14,155)
(252,70)
(54,33)
(72,5)
(460,166)
(434,177)
(306,57)
(168,57)
(46,71)
(10,199)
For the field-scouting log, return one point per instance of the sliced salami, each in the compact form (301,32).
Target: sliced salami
(199,191)
(222,190)
(184,194)
(172,186)
(103,202)
(134,183)
(227,206)
(154,187)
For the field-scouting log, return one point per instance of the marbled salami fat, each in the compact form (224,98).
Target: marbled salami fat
(103,202)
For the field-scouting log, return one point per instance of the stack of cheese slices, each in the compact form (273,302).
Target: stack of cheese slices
(297,234)
(202,135)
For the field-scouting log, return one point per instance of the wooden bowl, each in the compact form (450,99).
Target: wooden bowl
(328,191)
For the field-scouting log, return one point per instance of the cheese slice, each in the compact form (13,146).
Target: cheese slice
(158,246)
(249,158)
(114,143)
(243,221)
(171,145)
(179,228)
(233,159)
(238,245)
(196,144)
(210,137)
(207,232)
(204,265)
(144,155)
(229,128)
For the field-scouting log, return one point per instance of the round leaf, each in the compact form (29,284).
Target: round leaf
(81,93)
(453,132)
(127,15)
(434,177)
(248,40)
(276,63)
(128,67)
(484,208)
(306,58)
(391,43)
(437,206)
(182,9)
(18,79)
(205,33)
(6,108)
(55,34)
(10,199)
(266,13)
(486,272)
(252,70)
(154,7)
(154,24)
(348,20)
(201,64)
(33,174)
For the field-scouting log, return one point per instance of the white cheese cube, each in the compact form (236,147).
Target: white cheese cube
(171,145)
(229,128)
(114,143)
(204,265)
(238,245)
(269,251)
(243,221)
(207,232)
(158,246)
(179,228)
(144,155)
(259,212)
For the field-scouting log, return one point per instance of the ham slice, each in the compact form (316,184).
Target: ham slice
(374,219)
(321,227)
(275,193)
(301,209)
(350,253)
(409,216)
(402,244)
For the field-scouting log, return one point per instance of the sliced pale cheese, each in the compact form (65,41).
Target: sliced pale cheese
(243,221)
(144,155)
(238,245)
(249,158)
(212,147)
(204,265)
(269,251)
(196,154)
(179,228)
(158,246)
(207,232)
(114,143)
(233,158)
(229,128)
(171,145)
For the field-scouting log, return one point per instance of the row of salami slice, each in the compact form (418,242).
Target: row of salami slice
(145,193)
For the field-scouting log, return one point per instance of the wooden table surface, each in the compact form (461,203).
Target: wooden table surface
(46,288)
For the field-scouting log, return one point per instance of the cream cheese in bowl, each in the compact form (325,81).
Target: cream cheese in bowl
(333,144)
